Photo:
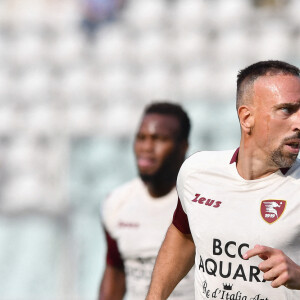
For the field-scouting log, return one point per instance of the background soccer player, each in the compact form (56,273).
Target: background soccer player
(136,215)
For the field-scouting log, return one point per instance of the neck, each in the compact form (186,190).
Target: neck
(252,162)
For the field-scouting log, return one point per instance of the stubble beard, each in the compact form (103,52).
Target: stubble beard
(281,159)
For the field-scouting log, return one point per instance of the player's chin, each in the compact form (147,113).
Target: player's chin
(147,175)
(147,171)
(292,154)
(289,159)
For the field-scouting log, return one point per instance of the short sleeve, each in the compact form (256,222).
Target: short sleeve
(180,220)
(113,256)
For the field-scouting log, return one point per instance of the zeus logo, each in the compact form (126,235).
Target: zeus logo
(205,201)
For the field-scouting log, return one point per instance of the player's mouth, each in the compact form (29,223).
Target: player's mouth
(145,162)
(293,146)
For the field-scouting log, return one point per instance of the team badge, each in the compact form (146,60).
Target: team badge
(271,210)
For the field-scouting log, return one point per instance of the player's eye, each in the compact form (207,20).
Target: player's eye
(162,138)
(140,137)
(288,109)
(285,109)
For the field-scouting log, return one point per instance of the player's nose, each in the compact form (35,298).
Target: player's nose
(296,121)
(147,144)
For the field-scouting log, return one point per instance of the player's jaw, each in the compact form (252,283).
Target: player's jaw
(285,155)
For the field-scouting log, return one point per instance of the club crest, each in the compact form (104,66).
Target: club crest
(271,210)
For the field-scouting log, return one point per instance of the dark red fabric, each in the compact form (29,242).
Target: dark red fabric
(235,156)
(180,220)
(284,170)
(113,256)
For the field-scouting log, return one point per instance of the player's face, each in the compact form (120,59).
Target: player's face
(277,118)
(156,144)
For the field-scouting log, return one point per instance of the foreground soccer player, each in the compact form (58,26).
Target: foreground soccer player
(136,216)
(241,208)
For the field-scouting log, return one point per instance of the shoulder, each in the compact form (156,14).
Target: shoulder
(204,160)
(114,202)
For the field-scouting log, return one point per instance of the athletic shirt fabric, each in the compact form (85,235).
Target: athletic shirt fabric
(136,225)
(227,215)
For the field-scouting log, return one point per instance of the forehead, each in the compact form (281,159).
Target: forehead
(155,123)
(278,88)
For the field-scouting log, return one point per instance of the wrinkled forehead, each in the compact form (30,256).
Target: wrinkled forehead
(285,88)
(155,123)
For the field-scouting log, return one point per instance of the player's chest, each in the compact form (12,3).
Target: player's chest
(243,213)
(142,226)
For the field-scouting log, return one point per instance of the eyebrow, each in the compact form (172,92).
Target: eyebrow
(288,104)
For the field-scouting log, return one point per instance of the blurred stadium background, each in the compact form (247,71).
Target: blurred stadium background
(75,76)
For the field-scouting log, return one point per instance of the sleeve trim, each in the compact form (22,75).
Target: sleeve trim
(180,219)
(113,256)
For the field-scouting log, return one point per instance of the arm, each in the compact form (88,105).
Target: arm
(113,284)
(277,267)
(174,260)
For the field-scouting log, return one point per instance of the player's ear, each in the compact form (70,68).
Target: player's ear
(246,118)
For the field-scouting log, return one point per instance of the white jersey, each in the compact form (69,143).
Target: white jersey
(138,223)
(228,215)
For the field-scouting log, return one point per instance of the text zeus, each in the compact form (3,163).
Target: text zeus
(208,202)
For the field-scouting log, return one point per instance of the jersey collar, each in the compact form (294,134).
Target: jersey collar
(235,155)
